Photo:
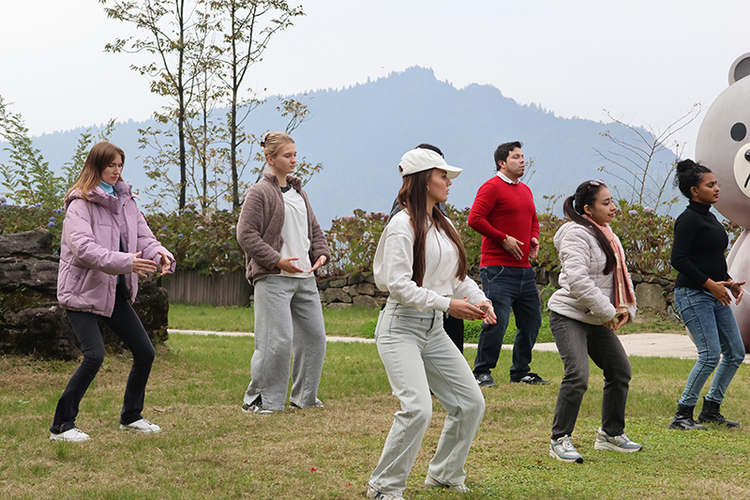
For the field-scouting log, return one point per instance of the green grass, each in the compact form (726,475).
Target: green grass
(210,449)
(341,322)
(357,322)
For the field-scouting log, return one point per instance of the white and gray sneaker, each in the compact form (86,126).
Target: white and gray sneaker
(615,443)
(373,493)
(460,488)
(73,435)
(141,425)
(563,450)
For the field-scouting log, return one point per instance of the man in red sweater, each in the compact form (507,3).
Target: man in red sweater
(505,215)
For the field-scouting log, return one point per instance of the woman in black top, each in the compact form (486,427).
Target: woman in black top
(702,295)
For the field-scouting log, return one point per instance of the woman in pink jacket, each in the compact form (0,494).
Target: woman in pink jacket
(105,246)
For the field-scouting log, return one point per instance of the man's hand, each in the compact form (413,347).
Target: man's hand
(513,247)
(534,248)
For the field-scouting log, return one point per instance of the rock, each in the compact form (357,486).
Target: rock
(31,321)
(335,295)
(323,283)
(651,299)
(366,301)
(355,278)
(38,241)
(33,272)
(366,289)
(337,283)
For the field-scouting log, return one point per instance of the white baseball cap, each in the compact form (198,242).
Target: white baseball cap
(419,160)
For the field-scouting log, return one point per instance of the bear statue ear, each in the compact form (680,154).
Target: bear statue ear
(740,68)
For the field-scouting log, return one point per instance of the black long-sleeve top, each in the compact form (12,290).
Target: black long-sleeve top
(699,245)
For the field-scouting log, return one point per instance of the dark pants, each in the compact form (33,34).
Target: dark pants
(509,287)
(126,324)
(576,341)
(454,327)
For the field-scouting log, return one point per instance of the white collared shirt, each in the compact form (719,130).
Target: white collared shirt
(506,178)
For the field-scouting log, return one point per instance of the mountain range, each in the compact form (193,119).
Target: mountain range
(360,132)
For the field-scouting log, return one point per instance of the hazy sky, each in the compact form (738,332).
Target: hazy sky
(647,62)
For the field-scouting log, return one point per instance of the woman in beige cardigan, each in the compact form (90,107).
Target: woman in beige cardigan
(283,246)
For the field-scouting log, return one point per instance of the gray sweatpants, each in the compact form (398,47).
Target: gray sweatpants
(418,357)
(288,320)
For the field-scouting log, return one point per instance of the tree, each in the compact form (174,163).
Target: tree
(168,23)
(633,158)
(246,28)
(27,177)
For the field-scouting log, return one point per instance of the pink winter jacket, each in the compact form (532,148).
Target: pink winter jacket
(90,256)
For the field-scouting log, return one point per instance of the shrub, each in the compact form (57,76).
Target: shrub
(206,243)
(353,241)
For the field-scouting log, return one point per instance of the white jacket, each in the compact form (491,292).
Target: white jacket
(586,294)
(393,263)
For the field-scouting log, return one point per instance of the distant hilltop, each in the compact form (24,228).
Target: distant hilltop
(360,132)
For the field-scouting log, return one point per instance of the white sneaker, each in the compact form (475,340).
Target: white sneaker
(141,425)
(431,481)
(563,450)
(373,493)
(73,435)
(615,443)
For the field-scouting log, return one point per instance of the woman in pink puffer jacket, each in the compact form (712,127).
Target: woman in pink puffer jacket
(106,244)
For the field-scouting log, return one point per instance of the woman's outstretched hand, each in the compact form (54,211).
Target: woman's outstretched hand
(166,263)
(288,264)
(321,260)
(142,267)
(463,310)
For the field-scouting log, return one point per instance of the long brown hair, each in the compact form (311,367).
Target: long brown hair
(99,158)
(413,197)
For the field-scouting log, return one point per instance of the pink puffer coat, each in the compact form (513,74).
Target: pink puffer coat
(90,256)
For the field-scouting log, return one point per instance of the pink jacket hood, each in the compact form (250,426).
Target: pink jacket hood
(90,250)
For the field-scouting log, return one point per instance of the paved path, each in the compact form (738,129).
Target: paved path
(663,345)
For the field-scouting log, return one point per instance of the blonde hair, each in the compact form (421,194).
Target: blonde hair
(273,142)
(99,158)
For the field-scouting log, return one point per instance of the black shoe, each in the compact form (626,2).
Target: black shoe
(485,380)
(710,413)
(683,419)
(531,379)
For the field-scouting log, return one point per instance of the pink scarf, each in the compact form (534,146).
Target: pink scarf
(624,296)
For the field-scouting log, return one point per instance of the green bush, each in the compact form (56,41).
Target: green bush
(206,243)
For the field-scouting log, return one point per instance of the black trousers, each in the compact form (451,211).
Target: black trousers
(454,327)
(126,324)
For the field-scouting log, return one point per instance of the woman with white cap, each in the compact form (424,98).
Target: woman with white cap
(421,262)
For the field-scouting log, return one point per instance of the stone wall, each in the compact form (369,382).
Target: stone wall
(351,290)
(655,296)
(31,321)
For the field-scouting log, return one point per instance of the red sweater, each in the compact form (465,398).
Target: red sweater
(502,209)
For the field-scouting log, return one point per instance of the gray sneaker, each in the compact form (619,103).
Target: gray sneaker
(615,443)
(373,493)
(256,408)
(563,450)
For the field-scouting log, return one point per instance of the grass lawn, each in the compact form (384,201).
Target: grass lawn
(210,449)
(354,322)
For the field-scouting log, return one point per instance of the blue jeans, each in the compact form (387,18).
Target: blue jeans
(717,337)
(509,287)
